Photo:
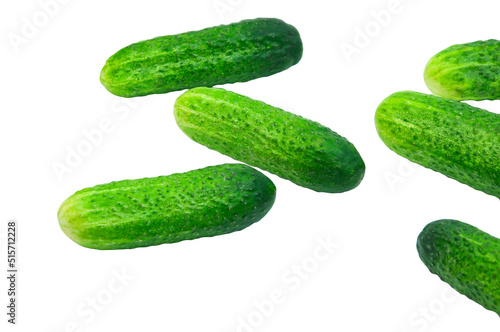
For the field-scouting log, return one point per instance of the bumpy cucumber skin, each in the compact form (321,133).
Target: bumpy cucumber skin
(237,52)
(137,213)
(465,257)
(450,137)
(300,150)
(466,71)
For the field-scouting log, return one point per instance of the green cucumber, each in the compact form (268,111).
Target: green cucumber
(294,148)
(138,213)
(465,257)
(237,52)
(466,71)
(447,136)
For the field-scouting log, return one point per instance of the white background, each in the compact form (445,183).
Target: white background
(373,281)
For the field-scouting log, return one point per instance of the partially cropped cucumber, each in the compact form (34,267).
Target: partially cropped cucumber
(137,213)
(456,139)
(294,148)
(237,52)
(465,257)
(466,71)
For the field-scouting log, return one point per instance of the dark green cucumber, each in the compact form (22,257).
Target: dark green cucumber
(456,139)
(466,71)
(137,213)
(237,52)
(294,148)
(465,257)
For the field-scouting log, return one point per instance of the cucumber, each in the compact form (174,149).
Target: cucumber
(237,52)
(294,148)
(466,71)
(137,213)
(465,257)
(456,139)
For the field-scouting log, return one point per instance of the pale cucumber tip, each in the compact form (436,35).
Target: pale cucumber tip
(103,78)
(435,84)
(67,220)
(107,81)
